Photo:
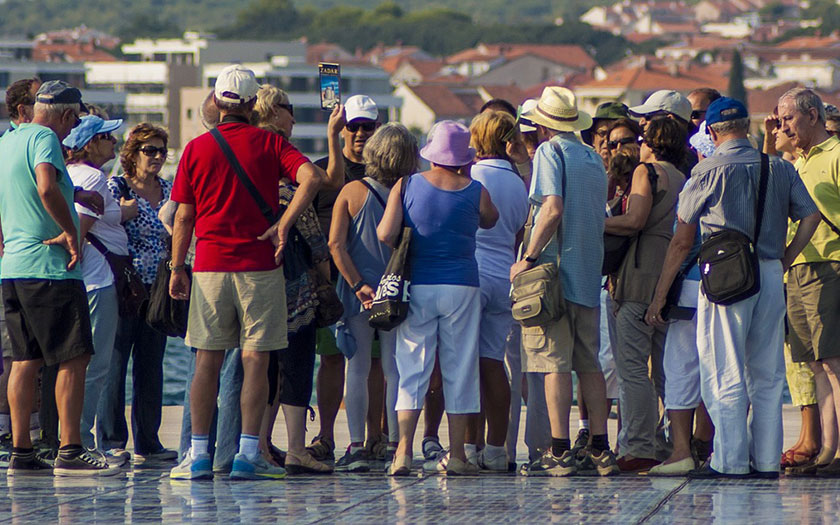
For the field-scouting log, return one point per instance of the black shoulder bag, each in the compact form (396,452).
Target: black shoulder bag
(297,257)
(390,305)
(617,246)
(728,259)
(131,292)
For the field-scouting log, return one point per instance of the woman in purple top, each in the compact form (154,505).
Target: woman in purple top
(444,207)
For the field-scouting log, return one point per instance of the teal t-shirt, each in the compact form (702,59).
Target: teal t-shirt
(26,223)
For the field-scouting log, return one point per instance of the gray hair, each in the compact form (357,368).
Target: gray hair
(391,153)
(804,100)
(55,110)
(731,126)
(208,112)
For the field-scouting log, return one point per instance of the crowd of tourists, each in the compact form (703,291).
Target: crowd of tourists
(678,267)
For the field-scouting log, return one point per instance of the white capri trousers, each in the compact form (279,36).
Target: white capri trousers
(442,320)
(609,340)
(496,317)
(681,361)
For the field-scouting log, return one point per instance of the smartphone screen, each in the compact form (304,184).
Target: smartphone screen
(330,75)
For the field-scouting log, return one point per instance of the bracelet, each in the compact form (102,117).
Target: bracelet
(358,286)
(530,259)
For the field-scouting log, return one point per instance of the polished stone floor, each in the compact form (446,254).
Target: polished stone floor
(148,496)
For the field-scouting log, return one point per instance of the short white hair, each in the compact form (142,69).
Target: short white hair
(731,126)
(56,109)
(804,100)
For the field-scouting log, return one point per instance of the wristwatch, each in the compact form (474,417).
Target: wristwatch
(531,260)
(173,268)
(358,286)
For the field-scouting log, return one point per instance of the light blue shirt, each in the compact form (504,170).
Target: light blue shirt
(26,223)
(494,249)
(582,183)
(722,191)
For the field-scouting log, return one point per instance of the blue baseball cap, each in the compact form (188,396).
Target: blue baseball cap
(59,92)
(724,109)
(88,127)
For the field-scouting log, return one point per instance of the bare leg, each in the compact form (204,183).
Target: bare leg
(496,389)
(267,425)
(330,390)
(204,390)
(809,436)
(594,390)
(254,390)
(680,434)
(407,420)
(828,419)
(295,429)
(4,381)
(433,413)
(582,410)
(832,370)
(558,398)
(70,397)
(704,429)
(457,427)
(21,389)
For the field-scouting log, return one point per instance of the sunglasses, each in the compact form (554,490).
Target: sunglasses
(151,151)
(698,114)
(613,144)
(353,127)
(288,107)
(105,136)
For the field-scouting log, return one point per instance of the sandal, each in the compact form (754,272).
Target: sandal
(322,449)
(305,464)
(794,458)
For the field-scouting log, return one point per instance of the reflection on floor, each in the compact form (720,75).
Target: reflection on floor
(146,496)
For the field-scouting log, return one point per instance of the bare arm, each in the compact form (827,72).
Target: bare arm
(770,123)
(338,247)
(179,283)
(804,232)
(488,214)
(335,165)
(389,227)
(638,206)
(86,222)
(678,250)
(309,179)
(46,178)
(544,229)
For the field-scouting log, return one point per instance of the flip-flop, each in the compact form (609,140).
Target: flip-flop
(794,458)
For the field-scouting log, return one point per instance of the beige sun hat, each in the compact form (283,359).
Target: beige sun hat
(557,109)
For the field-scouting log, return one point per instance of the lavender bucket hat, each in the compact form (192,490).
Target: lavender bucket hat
(449,144)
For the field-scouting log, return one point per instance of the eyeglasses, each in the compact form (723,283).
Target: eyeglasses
(698,114)
(655,115)
(151,151)
(613,144)
(353,127)
(288,107)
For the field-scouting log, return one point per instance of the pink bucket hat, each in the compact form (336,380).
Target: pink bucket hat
(449,144)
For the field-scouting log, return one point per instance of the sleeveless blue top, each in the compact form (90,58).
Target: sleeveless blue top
(443,241)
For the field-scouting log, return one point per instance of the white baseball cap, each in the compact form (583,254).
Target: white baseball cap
(525,124)
(360,106)
(664,100)
(236,84)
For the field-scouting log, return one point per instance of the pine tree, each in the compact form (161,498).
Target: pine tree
(736,79)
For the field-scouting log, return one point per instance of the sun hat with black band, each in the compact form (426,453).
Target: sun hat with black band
(59,92)
(236,84)
(557,109)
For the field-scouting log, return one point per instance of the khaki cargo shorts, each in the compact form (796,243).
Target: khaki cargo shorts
(244,310)
(571,343)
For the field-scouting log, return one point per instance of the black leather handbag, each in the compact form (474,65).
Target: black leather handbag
(728,259)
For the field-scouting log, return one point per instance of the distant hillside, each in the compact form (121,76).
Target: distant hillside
(164,17)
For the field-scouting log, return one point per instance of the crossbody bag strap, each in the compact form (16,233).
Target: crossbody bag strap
(374,192)
(265,209)
(91,238)
(762,196)
(830,224)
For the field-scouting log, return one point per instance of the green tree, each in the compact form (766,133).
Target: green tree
(148,24)
(736,79)
(264,20)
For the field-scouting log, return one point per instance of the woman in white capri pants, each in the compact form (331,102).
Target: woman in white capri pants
(444,207)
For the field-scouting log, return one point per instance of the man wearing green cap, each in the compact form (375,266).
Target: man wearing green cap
(605,114)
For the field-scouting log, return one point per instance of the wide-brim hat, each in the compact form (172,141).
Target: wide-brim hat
(557,109)
(449,144)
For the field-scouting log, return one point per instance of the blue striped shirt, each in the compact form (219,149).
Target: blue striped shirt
(722,193)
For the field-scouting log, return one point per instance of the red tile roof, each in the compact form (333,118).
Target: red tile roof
(651,77)
(72,52)
(570,55)
(762,101)
(512,94)
(442,101)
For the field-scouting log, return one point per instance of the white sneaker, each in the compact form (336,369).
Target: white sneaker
(497,463)
(437,465)
(198,468)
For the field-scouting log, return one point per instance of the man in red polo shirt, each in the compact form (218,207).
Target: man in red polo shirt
(238,289)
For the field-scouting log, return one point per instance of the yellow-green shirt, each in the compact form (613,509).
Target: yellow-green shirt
(820,172)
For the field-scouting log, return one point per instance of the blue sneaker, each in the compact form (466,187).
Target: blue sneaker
(257,468)
(198,468)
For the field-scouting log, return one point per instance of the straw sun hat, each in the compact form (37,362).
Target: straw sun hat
(557,109)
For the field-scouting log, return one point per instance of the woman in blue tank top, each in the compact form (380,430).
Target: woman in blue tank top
(389,154)
(445,208)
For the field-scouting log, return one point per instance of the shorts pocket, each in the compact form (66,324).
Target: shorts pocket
(533,338)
